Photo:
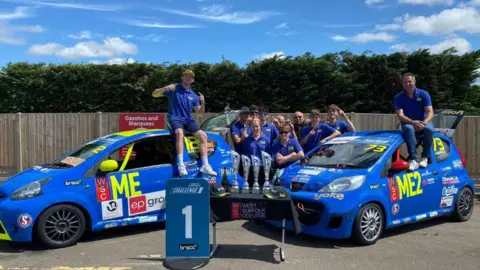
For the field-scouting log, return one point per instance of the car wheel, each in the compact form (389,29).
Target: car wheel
(368,225)
(464,205)
(60,226)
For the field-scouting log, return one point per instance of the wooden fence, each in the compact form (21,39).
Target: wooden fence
(29,139)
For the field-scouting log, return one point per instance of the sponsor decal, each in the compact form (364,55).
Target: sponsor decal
(24,220)
(44,170)
(410,185)
(395,222)
(393,187)
(191,189)
(338,196)
(211,179)
(146,203)
(112,209)
(230,171)
(111,225)
(433,214)
(406,220)
(102,189)
(375,186)
(188,247)
(127,185)
(444,169)
(309,172)
(457,164)
(395,208)
(147,219)
(450,180)
(446,201)
(253,210)
(426,173)
(342,140)
(333,170)
(420,217)
(73,183)
(448,191)
(36,168)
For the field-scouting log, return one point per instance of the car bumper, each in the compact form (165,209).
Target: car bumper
(10,211)
(326,217)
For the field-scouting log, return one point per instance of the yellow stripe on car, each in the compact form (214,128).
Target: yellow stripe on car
(134,132)
(4,236)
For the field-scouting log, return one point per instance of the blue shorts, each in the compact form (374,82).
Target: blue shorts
(185,125)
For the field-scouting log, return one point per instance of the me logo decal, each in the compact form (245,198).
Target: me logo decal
(406,186)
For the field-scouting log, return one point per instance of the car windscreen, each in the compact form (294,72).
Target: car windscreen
(223,120)
(353,155)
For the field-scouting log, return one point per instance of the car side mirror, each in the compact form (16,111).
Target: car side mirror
(400,165)
(108,165)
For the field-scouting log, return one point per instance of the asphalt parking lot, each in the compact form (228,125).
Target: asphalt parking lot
(435,244)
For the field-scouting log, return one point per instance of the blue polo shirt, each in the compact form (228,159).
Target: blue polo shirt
(237,129)
(323,131)
(413,107)
(341,126)
(181,103)
(255,147)
(292,146)
(270,131)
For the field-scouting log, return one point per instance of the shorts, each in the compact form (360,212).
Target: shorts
(186,126)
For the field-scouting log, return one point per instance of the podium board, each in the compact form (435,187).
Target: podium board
(187,230)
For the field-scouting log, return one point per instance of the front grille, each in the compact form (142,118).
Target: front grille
(309,213)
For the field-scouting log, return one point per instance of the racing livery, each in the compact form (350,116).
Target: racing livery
(357,185)
(116,180)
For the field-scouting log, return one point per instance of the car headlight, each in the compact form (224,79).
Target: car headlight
(29,190)
(344,184)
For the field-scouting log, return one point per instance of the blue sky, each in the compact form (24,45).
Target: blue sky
(116,31)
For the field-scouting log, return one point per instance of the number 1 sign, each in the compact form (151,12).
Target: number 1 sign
(187,220)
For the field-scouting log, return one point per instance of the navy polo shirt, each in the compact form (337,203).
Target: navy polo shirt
(270,131)
(237,130)
(413,107)
(341,126)
(292,146)
(323,131)
(181,103)
(252,146)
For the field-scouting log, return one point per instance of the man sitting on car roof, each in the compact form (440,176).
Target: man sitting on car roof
(415,112)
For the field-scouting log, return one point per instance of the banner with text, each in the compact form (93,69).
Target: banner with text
(130,121)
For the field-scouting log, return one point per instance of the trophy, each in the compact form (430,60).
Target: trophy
(246,170)
(236,164)
(256,170)
(276,178)
(267,164)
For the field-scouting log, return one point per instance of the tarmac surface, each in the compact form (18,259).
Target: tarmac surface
(434,244)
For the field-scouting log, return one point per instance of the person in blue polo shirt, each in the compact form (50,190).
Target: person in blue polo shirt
(254,145)
(316,133)
(415,112)
(343,126)
(268,129)
(240,130)
(181,101)
(285,150)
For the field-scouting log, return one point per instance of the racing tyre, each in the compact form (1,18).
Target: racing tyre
(368,225)
(60,226)
(463,205)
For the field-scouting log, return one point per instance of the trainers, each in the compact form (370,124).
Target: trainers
(182,170)
(208,170)
(413,165)
(423,163)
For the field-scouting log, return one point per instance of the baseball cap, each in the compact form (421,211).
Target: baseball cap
(188,72)
(263,111)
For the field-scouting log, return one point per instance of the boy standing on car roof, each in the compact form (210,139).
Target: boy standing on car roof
(415,112)
(343,126)
(181,101)
(286,150)
(316,133)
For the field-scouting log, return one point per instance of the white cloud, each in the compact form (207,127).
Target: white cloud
(157,24)
(281,26)
(29,28)
(447,21)
(57,4)
(111,47)
(153,38)
(264,56)
(220,13)
(427,2)
(373,2)
(279,33)
(114,61)
(19,13)
(460,44)
(367,37)
(82,35)
(6,36)
(388,27)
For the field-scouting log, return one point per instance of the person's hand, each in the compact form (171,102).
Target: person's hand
(418,125)
(275,121)
(312,132)
(287,122)
(201,98)
(341,112)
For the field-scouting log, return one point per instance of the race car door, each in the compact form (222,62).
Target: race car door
(137,188)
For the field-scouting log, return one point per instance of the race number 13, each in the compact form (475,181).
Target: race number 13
(187,212)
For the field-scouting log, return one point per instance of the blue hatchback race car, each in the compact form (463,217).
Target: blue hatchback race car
(358,184)
(116,180)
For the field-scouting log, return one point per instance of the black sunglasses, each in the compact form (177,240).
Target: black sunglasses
(284,132)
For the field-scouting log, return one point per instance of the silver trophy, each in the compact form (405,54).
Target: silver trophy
(256,170)
(267,164)
(236,164)
(246,170)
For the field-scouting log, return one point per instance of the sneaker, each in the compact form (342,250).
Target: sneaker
(423,163)
(182,170)
(208,170)
(413,165)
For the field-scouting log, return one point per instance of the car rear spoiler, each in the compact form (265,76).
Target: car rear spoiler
(446,121)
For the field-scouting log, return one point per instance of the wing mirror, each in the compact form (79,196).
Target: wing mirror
(108,165)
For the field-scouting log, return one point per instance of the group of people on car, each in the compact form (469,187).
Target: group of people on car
(285,141)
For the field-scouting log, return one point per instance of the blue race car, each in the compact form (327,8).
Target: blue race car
(358,184)
(116,180)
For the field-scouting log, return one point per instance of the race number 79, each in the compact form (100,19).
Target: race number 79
(187,212)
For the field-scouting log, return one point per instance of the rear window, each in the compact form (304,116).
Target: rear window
(441,148)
